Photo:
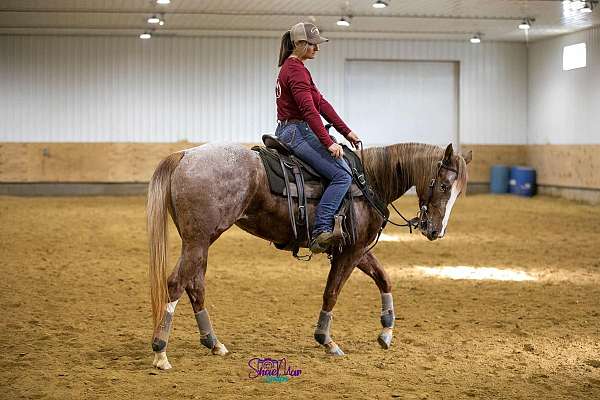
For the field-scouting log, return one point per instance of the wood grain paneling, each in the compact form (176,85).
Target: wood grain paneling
(574,166)
(82,162)
(484,156)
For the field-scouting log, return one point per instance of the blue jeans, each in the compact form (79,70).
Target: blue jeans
(305,145)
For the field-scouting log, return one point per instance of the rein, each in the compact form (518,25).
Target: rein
(409,223)
(386,215)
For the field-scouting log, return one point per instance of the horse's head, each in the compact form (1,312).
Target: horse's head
(438,197)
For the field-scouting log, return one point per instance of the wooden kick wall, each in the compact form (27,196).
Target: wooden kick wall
(572,166)
(82,162)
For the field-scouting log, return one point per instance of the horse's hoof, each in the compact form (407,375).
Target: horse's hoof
(385,340)
(334,350)
(161,362)
(219,349)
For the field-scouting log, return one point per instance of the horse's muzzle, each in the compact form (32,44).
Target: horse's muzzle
(426,225)
(431,235)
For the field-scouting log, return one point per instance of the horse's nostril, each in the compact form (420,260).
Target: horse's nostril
(434,233)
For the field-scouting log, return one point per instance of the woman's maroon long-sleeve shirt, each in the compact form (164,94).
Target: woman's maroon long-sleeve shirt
(299,98)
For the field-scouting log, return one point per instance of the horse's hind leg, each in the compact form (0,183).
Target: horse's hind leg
(160,338)
(371,266)
(191,263)
(195,291)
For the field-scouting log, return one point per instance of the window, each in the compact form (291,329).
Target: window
(574,56)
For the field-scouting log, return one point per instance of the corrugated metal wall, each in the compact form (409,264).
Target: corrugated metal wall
(564,106)
(112,89)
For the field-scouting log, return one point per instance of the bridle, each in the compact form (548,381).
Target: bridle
(423,215)
(422,220)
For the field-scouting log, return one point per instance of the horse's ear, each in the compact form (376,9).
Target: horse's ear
(469,157)
(448,154)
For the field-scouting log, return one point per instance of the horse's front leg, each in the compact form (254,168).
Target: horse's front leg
(342,266)
(371,266)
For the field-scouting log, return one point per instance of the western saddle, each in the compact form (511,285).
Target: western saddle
(292,178)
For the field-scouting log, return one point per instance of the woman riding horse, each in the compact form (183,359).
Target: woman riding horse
(208,189)
(299,110)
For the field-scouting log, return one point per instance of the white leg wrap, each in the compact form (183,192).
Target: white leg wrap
(207,337)
(323,327)
(161,337)
(387,310)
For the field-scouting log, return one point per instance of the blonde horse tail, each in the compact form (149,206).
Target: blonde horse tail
(158,206)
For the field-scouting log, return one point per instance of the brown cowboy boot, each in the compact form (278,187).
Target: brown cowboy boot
(321,243)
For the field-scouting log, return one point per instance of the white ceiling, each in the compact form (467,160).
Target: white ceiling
(421,19)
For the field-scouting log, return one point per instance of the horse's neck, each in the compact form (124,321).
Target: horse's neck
(406,176)
(412,163)
(411,168)
(419,166)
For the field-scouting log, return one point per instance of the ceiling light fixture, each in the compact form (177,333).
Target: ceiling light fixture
(345,22)
(526,23)
(587,8)
(145,35)
(163,2)
(162,22)
(573,6)
(381,4)
(475,39)
(577,4)
(153,19)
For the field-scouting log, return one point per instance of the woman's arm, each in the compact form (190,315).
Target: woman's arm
(333,118)
(299,83)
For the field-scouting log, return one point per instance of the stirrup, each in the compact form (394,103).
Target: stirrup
(338,234)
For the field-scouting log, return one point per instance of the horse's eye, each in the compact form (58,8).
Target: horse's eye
(443,188)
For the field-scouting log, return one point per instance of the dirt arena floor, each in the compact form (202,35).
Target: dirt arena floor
(77,318)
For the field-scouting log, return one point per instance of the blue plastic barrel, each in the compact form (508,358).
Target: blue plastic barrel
(499,177)
(523,181)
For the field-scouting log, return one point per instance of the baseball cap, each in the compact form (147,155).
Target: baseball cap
(307,31)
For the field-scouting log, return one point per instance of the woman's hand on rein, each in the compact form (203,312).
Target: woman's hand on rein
(352,137)
(336,150)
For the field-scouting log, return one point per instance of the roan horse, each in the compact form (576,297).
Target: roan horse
(209,188)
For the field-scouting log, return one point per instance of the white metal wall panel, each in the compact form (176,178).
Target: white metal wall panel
(564,106)
(109,89)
